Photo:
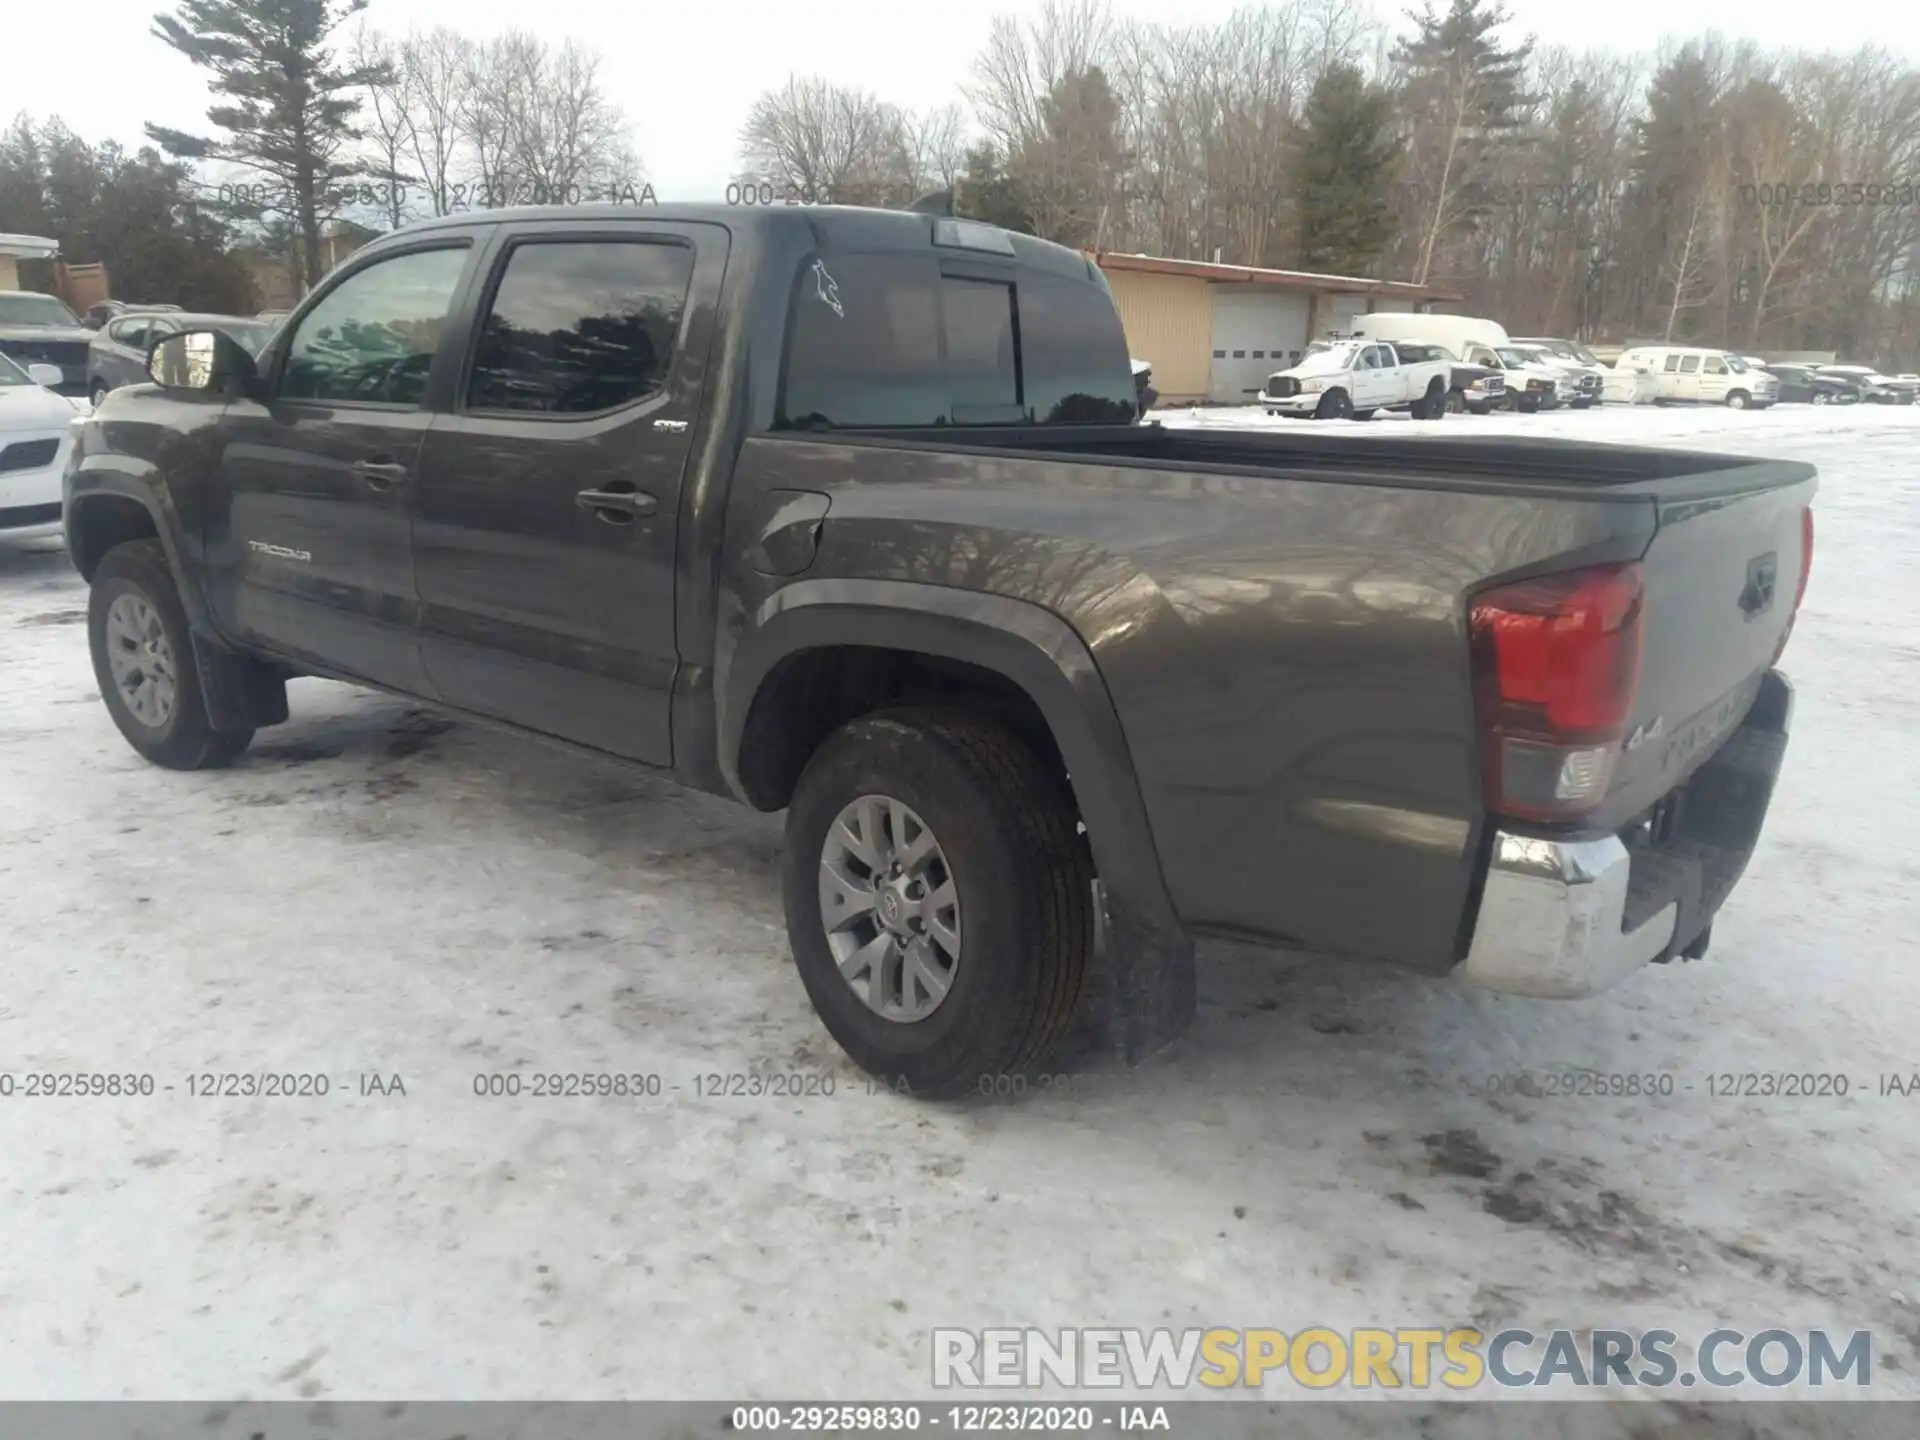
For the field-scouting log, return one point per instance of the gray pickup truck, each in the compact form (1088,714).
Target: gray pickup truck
(849,513)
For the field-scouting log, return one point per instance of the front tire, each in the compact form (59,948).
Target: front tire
(939,900)
(1333,405)
(144,663)
(1738,400)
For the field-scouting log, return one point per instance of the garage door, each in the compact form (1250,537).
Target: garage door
(1253,336)
(1344,308)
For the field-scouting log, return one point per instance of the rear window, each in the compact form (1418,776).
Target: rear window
(886,340)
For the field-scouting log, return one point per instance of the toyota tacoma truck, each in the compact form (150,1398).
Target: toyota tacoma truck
(849,514)
(1354,378)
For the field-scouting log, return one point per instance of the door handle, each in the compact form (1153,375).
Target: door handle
(617,507)
(380,474)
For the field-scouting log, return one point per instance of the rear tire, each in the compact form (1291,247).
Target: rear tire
(144,663)
(1360,415)
(1007,857)
(99,392)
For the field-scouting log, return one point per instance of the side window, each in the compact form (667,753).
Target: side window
(1075,369)
(1689,364)
(580,327)
(1673,364)
(131,333)
(863,343)
(373,337)
(983,367)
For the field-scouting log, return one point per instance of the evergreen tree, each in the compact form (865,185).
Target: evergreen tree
(1466,105)
(1346,160)
(987,192)
(289,104)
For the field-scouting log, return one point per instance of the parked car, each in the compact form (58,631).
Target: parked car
(1019,670)
(119,352)
(100,312)
(1352,379)
(1875,388)
(1806,385)
(36,437)
(1692,375)
(1478,388)
(1583,361)
(38,329)
(1531,385)
(1586,378)
(1143,385)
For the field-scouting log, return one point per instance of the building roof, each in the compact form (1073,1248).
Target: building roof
(29,247)
(1261,275)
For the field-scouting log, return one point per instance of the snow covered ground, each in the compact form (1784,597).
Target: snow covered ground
(372,892)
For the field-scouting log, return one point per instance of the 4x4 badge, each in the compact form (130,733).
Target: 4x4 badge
(1651,730)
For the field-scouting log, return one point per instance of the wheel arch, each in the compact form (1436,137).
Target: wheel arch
(1025,661)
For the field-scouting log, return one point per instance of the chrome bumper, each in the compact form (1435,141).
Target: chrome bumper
(1560,919)
(1551,920)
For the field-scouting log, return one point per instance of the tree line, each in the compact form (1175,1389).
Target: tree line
(1712,191)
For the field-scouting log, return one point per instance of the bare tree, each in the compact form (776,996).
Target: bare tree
(388,132)
(435,68)
(538,123)
(821,140)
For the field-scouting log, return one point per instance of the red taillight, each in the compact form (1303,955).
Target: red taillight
(1556,666)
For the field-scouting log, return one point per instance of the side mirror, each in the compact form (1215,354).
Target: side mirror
(47,375)
(199,360)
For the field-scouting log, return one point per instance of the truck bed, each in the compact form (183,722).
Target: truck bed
(1468,463)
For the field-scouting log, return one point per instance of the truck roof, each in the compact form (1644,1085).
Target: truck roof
(835,227)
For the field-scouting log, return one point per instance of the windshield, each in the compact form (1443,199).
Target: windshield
(12,374)
(1323,356)
(1513,355)
(1737,365)
(26,308)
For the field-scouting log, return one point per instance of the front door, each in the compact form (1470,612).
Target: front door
(308,552)
(549,495)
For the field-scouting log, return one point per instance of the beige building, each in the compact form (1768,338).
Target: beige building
(15,248)
(1213,333)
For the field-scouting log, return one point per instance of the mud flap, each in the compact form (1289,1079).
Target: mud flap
(1142,993)
(241,693)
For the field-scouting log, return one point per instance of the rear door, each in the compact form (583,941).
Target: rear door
(308,547)
(549,493)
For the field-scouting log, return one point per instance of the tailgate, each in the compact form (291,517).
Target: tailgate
(1722,573)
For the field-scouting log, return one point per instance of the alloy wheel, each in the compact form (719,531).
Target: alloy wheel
(141,658)
(890,908)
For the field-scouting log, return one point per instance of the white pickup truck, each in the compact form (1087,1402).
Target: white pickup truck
(1354,378)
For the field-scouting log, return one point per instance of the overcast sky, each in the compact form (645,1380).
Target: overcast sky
(686,72)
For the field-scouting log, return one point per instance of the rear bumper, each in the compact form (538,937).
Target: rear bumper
(1566,918)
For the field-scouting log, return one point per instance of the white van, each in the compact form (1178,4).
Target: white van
(1690,375)
(1455,332)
